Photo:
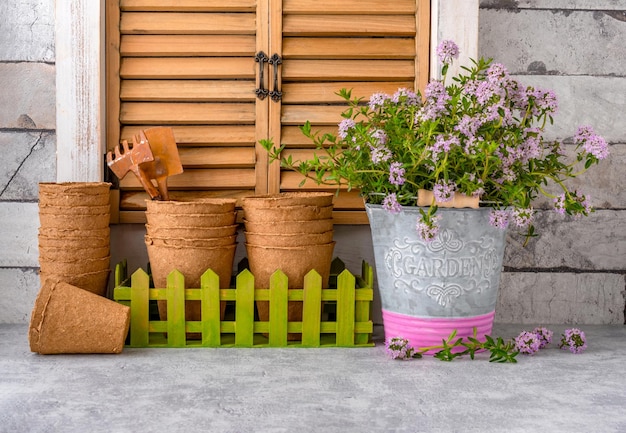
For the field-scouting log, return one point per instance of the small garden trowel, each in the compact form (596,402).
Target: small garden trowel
(166,160)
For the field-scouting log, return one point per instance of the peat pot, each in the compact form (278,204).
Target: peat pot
(429,289)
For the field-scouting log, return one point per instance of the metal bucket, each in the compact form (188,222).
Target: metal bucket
(429,289)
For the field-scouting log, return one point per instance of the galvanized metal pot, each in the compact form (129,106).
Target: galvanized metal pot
(429,289)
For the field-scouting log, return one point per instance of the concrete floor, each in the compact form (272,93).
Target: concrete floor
(313,390)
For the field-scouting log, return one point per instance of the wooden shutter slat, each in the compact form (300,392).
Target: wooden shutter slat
(187,23)
(157,113)
(187,68)
(349,25)
(292,136)
(326,93)
(236,178)
(290,180)
(303,154)
(189,5)
(374,7)
(348,48)
(231,135)
(217,157)
(348,70)
(316,114)
(346,217)
(187,45)
(187,90)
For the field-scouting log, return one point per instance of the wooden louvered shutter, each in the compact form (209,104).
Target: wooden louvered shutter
(364,45)
(190,64)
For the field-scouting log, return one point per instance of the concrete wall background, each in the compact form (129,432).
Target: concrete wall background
(27,146)
(574,273)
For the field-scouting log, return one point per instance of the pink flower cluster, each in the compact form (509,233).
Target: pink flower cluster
(591,142)
(529,343)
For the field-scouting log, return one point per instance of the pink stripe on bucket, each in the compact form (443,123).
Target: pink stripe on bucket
(424,332)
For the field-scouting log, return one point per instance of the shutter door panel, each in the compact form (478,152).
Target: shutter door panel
(367,46)
(190,65)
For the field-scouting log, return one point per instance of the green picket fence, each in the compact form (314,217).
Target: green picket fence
(350,295)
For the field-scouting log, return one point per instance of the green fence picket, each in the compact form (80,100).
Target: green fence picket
(278,309)
(121,273)
(139,308)
(210,309)
(244,309)
(362,308)
(176,336)
(312,309)
(345,308)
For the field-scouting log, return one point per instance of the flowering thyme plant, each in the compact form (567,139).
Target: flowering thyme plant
(527,343)
(480,134)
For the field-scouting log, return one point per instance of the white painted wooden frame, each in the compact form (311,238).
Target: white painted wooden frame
(456,20)
(80,90)
(80,76)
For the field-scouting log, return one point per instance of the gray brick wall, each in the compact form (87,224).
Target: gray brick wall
(27,144)
(573,273)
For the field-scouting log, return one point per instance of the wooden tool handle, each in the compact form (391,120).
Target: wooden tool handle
(147,185)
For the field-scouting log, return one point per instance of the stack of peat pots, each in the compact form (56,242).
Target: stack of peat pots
(292,232)
(191,237)
(74,234)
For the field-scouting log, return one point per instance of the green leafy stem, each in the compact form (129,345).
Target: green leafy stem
(500,350)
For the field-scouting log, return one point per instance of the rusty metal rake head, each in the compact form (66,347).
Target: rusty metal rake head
(128,159)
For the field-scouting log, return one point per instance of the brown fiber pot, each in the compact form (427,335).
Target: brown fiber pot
(295,262)
(320,199)
(67,319)
(191,232)
(192,243)
(74,193)
(288,240)
(289,227)
(94,282)
(196,206)
(78,188)
(60,253)
(62,233)
(74,265)
(191,220)
(192,262)
(76,222)
(74,210)
(73,242)
(288,213)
